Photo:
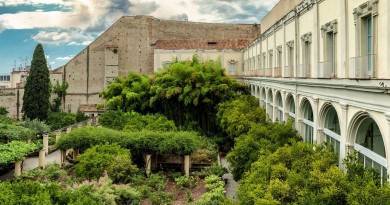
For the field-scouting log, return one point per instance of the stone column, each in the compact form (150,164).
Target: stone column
(316,137)
(42,158)
(386,136)
(18,168)
(148,164)
(187,165)
(63,157)
(58,135)
(75,153)
(68,129)
(345,147)
(300,127)
(46,143)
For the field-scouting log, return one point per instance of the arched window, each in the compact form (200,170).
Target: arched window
(291,107)
(308,122)
(270,100)
(369,144)
(332,129)
(279,102)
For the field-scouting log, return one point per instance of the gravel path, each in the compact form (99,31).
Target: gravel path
(231,185)
(32,162)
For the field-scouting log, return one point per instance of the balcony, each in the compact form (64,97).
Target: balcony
(303,71)
(326,69)
(268,72)
(362,67)
(277,72)
(288,71)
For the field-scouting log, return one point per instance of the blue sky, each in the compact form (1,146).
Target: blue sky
(65,27)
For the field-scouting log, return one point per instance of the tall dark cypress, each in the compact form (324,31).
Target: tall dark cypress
(37,89)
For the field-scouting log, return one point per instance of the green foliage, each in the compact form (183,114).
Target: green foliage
(58,120)
(6,120)
(113,159)
(187,92)
(52,172)
(12,132)
(3,111)
(236,117)
(129,93)
(260,140)
(134,122)
(39,127)
(163,143)
(80,116)
(190,91)
(214,169)
(15,151)
(215,194)
(186,182)
(60,91)
(37,89)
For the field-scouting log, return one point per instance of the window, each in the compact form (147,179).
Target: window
(327,67)
(367,41)
(232,67)
(304,70)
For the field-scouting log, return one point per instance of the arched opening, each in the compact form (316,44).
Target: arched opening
(308,122)
(291,108)
(279,108)
(262,98)
(332,128)
(270,100)
(369,143)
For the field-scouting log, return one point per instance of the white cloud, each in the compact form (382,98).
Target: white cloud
(19,2)
(65,58)
(69,37)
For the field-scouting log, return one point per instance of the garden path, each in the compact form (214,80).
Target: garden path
(231,185)
(32,162)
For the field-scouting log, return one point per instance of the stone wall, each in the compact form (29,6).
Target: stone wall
(128,46)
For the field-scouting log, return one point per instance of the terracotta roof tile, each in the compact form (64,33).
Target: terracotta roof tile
(179,44)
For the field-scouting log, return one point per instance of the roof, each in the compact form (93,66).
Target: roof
(90,108)
(180,44)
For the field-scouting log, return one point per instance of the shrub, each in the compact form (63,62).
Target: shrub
(4,119)
(111,158)
(114,119)
(58,120)
(12,132)
(80,116)
(3,111)
(16,150)
(38,126)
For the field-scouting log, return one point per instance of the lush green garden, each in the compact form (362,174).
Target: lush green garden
(191,108)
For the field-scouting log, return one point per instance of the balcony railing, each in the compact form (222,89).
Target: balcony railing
(277,72)
(268,72)
(303,71)
(362,66)
(326,69)
(288,72)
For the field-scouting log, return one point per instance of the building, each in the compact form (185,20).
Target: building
(325,64)
(227,51)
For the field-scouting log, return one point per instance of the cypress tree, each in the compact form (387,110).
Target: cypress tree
(37,89)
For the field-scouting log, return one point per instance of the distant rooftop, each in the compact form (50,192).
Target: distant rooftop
(180,44)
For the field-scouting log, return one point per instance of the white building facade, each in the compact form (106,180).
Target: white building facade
(326,64)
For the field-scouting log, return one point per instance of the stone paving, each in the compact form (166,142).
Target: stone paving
(231,185)
(32,162)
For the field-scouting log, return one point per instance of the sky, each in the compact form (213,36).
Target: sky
(65,27)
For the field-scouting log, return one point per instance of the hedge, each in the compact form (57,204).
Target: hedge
(163,143)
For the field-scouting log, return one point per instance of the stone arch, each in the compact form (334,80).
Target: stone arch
(270,103)
(329,121)
(279,106)
(263,97)
(307,114)
(356,123)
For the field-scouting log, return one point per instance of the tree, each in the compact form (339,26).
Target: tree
(37,89)
(60,91)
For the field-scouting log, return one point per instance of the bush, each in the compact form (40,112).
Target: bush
(58,120)
(4,119)
(3,111)
(12,132)
(111,158)
(114,119)
(16,150)
(80,116)
(215,194)
(38,126)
